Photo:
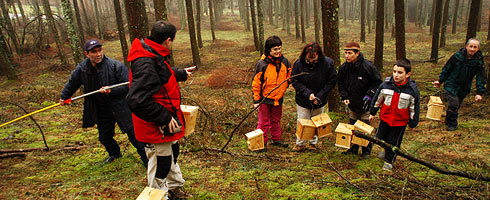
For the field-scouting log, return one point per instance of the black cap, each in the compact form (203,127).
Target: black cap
(90,44)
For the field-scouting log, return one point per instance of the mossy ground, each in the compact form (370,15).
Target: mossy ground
(221,87)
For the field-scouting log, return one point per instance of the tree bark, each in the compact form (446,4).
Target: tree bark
(400,29)
(97,19)
(21,9)
(444,24)
(90,28)
(211,17)
(317,21)
(270,12)
(363,20)
(192,33)
(345,11)
(287,16)
(368,15)
(247,15)
(472,19)
(160,10)
(198,23)
(10,28)
(80,30)
(276,13)
(479,19)
(303,15)
(488,38)
(435,32)
(412,158)
(378,50)
(121,31)
(254,25)
(455,16)
(182,14)
(260,14)
(330,25)
(5,58)
(432,15)
(52,27)
(296,18)
(72,32)
(137,19)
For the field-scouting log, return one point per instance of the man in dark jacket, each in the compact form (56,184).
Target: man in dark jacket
(97,72)
(457,76)
(154,98)
(358,80)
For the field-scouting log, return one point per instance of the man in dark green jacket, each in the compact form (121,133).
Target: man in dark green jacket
(457,76)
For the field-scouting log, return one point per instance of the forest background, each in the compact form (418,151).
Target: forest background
(41,40)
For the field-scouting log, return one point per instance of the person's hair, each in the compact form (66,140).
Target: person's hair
(272,41)
(469,40)
(405,63)
(161,31)
(313,47)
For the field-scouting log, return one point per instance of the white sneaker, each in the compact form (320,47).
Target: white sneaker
(387,167)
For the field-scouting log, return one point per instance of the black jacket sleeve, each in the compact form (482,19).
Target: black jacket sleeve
(145,83)
(413,122)
(331,77)
(374,79)
(341,83)
(121,74)
(73,84)
(297,82)
(180,74)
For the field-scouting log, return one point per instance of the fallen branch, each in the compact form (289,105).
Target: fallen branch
(39,149)
(11,155)
(428,164)
(341,176)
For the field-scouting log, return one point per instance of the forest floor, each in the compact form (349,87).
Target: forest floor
(222,88)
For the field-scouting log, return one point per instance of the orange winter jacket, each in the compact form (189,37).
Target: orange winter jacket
(268,75)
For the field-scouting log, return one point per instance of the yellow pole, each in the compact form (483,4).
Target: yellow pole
(32,113)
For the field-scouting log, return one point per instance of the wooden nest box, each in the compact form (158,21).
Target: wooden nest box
(365,128)
(151,194)
(306,129)
(343,135)
(435,108)
(190,117)
(255,140)
(323,124)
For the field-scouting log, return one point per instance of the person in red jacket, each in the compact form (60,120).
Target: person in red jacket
(154,99)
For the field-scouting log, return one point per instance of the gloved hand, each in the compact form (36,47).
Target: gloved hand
(367,102)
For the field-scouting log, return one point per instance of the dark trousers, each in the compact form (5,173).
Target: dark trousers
(355,147)
(454,103)
(106,120)
(392,135)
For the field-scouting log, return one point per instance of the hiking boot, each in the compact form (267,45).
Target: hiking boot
(312,147)
(178,194)
(350,151)
(298,148)
(388,167)
(113,158)
(450,128)
(279,143)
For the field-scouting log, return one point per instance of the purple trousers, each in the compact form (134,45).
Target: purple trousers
(270,121)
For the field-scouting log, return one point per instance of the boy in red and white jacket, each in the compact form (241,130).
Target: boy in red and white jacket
(399,100)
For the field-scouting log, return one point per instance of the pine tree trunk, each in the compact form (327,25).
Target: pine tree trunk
(90,28)
(80,30)
(435,32)
(247,15)
(198,23)
(211,18)
(97,19)
(192,33)
(444,24)
(345,11)
(276,13)
(6,66)
(368,15)
(455,16)
(269,12)
(473,19)
(296,18)
(52,27)
(425,17)
(488,38)
(254,25)
(479,19)
(288,18)
(400,29)
(316,20)
(137,19)
(363,21)
(303,15)
(331,44)
(182,14)
(260,14)
(160,10)
(120,30)
(10,28)
(378,49)
(307,14)
(432,15)
(21,9)
(75,43)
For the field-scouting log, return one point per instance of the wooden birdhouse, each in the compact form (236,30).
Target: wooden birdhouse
(435,108)
(151,194)
(190,117)
(343,135)
(306,129)
(323,124)
(365,128)
(255,140)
